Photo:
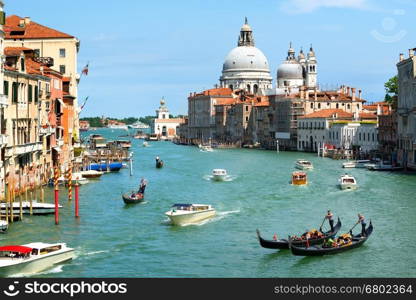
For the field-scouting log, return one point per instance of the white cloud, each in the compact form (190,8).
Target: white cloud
(308,6)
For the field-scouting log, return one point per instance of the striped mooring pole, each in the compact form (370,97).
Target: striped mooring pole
(69,178)
(56,176)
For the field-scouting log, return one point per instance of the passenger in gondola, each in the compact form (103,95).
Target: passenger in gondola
(330,217)
(361,220)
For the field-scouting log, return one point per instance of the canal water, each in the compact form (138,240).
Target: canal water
(114,240)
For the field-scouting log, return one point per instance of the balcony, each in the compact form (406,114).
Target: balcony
(46,131)
(24,149)
(48,61)
(3,100)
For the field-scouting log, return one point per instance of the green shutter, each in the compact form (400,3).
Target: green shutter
(14,92)
(2,18)
(6,88)
(30,93)
(36,94)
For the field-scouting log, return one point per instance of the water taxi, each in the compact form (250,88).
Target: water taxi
(182,214)
(347,182)
(4,225)
(302,164)
(219,174)
(299,178)
(32,258)
(356,163)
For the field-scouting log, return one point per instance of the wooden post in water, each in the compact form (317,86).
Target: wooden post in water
(42,194)
(56,176)
(31,201)
(76,199)
(11,203)
(131,166)
(7,202)
(70,183)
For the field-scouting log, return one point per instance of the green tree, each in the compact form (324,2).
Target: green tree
(392,90)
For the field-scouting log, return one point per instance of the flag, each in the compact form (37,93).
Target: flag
(85,70)
(85,102)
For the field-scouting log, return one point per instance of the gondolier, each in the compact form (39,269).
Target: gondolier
(361,220)
(330,218)
(142,187)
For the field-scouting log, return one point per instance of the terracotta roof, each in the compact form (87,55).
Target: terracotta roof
(225,101)
(263,103)
(15,51)
(66,79)
(214,92)
(31,30)
(328,113)
(33,67)
(368,116)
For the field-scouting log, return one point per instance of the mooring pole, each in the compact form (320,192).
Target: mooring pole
(76,199)
(56,176)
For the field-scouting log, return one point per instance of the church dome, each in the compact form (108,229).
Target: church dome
(246,58)
(290,70)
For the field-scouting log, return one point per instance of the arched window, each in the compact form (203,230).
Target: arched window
(319,105)
(164,131)
(248,88)
(337,106)
(311,104)
(256,88)
(231,87)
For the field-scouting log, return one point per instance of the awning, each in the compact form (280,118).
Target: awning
(61,102)
(57,149)
(19,249)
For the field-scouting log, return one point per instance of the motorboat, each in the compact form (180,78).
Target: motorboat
(91,174)
(38,208)
(303,164)
(356,163)
(183,214)
(145,144)
(112,167)
(383,166)
(32,258)
(4,225)
(219,174)
(206,148)
(299,178)
(347,182)
(76,177)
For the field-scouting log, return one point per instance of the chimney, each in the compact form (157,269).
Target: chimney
(27,20)
(379,111)
(401,57)
(411,53)
(316,95)
(353,94)
(359,94)
(348,90)
(21,23)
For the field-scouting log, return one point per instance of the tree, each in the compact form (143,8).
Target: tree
(392,90)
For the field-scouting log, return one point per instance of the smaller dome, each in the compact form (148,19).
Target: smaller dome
(246,27)
(290,70)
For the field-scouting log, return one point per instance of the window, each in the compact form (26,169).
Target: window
(6,88)
(337,106)
(348,106)
(30,93)
(62,52)
(14,92)
(22,64)
(36,94)
(246,119)
(311,104)
(36,52)
(62,69)
(319,105)
(246,107)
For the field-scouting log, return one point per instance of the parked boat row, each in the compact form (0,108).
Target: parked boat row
(372,165)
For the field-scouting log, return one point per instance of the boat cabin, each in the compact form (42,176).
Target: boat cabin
(15,252)
(190,207)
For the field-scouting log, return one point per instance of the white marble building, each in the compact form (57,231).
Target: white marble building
(164,126)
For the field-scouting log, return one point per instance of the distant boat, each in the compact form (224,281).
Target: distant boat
(145,144)
(138,125)
(347,182)
(356,163)
(91,174)
(303,164)
(159,163)
(124,127)
(114,167)
(38,208)
(219,174)
(383,166)
(299,178)
(133,198)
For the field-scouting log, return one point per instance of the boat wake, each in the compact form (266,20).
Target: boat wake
(95,252)
(53,270)
(227,178)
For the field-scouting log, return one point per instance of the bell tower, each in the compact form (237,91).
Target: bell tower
(311,70)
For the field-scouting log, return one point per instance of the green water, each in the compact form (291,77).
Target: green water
(113,240)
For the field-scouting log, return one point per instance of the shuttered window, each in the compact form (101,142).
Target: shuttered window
(36,94)
(14,92)
(6,88)
(30,93)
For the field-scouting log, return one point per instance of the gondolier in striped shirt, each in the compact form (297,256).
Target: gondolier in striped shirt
(330,218)
(361,220)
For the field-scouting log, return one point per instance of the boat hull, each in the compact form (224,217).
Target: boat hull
(37,208)
(33,266)
(219,177)
(191,218)
(128,200)
(348,186)
(113,167)
(4,225)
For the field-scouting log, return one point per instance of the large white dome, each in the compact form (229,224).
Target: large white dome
(246,58)
(290,70)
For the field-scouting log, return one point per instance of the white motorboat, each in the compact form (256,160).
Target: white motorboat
(76,177)
(91,174)
(219,174)
(4,225)
(356,163)
(206,148)
(32,258)
(183,214)
(145,144)
(383,166)
(347,182)
(303,164)
(37,208)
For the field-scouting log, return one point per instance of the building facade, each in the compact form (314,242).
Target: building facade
(406,111)
(164,126)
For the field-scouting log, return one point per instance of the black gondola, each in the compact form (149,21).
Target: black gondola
(159,164)
(284,244)
(128,199)
(357,241)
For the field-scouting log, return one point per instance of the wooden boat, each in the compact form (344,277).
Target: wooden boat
(128,199)
(284,244)
(38,208)
(159,164)
(299,178)
(319,250)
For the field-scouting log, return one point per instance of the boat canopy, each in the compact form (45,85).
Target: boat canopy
(19,249)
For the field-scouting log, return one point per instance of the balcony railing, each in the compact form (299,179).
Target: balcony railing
(46,131)
(24,149)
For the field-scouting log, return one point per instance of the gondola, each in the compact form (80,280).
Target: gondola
(159,164)
(357,241)
(129,200)
(284,244)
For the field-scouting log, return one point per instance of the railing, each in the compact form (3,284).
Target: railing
(25,148)
(46,131)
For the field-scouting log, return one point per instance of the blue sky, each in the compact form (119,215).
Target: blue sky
(140,51)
